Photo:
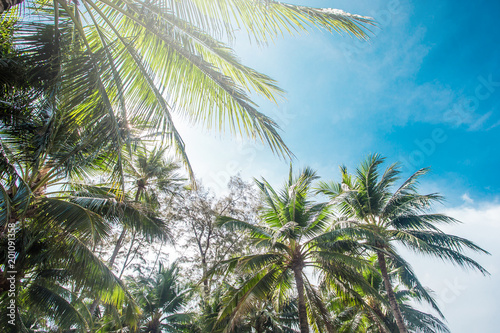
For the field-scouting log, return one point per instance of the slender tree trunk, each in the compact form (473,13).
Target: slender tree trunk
(125,263)
(206,287)
(204,266)
(118,245)
(94,306)
(377,316)
(299,281)
(122,236)
(7,4)
(390,294)
(156,261)
(328,323)
(111,261)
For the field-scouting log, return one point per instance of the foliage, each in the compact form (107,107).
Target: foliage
(87,97)
(380,218)
(55,230)
(136,63)
(294,236)
(193,214)
(161,298)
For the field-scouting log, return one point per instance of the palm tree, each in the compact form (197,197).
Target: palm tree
(264,317)
(161,298)
(380,219)
(293,237)
(138,62)
(43,151)
(150,174)
(55,231)
(261,316)
(375,316)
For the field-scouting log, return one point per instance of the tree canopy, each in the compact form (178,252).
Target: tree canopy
(94,207)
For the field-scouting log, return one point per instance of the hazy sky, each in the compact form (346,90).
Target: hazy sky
(425,91)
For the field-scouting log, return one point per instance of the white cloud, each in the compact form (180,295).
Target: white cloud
(468,300)
(466,198)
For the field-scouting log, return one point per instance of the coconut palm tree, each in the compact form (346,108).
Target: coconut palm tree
(54,234)
(56,231)
(161,298)
(382,218)
(375,316)
(150,174)
(138,62)
(264,317)
(292,238)
(43,151)
(261,316)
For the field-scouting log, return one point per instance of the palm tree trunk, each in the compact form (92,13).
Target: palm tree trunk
(328,323)
(7,4)
(118,246)
(377,316)
(111,262)
(390,294)
(299,282)
(125,263)
(258,327)
(122,236)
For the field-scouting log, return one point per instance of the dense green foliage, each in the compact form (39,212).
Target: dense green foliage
(92,203)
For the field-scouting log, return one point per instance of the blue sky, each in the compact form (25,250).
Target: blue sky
(420,73)
(425,91)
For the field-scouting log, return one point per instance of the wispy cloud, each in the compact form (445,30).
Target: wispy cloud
(467,199)
(458,292)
